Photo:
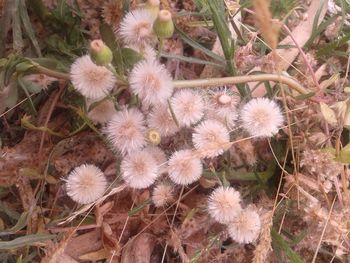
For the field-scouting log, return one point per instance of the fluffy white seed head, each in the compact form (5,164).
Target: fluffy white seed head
(136,28)
(151,82)
(223,106)
(139,169)
(126,131)
(245,228)
(211,138)
(85,184)
(188,107)
(159,156)
(157,153)
(161,120)
(184,168)
(92,81)
(102,112)
(224,204)
(261,117)
(163,194)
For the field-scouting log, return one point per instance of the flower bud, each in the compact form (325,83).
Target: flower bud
(100,53)
(163,27)
(152,6)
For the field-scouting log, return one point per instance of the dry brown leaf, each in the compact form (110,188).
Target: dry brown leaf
(84,244)
(96,255)
(139,250)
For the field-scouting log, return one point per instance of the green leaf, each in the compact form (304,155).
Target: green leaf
(24,88)
(217,12)
(195,45)
(28,240)
(50,63)
(140,207)
(24,66)
(130,57)
(34,174)
(21,223)
(109,39)
(191,60)
(305,96)
(278,243)
(343,157)
(319,30)
(328,49)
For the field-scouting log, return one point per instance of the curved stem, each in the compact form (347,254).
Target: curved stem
(241,79)
(203,82)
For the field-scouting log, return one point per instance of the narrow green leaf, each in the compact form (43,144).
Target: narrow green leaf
(108,37)
(195,45)
(16,29)
(317,17)
(305,96)
(24,66)
(191,60)
(217,12)
(25,241)
(329,48)
(28,26)
(140,207)
(21,223)
(24,88)
(9,212)
(280,244)
(130,57)
(319,30)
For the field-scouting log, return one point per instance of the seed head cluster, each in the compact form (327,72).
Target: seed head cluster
(165,137)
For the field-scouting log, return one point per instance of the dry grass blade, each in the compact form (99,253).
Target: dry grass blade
(269,30)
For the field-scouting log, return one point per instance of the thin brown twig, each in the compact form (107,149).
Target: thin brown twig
(173,219)
(48,116)
(160,215)
(324,230)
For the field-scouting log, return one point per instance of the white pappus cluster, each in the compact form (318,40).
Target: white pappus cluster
(198,126)
(243,224)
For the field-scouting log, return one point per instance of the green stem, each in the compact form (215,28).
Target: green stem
(51,73)
(241,79)
(160,48)
(203,82)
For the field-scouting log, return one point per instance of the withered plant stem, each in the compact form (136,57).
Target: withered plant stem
(293,84)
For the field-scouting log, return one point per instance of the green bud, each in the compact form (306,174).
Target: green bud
(152,6)
(163,27)
(100,54)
